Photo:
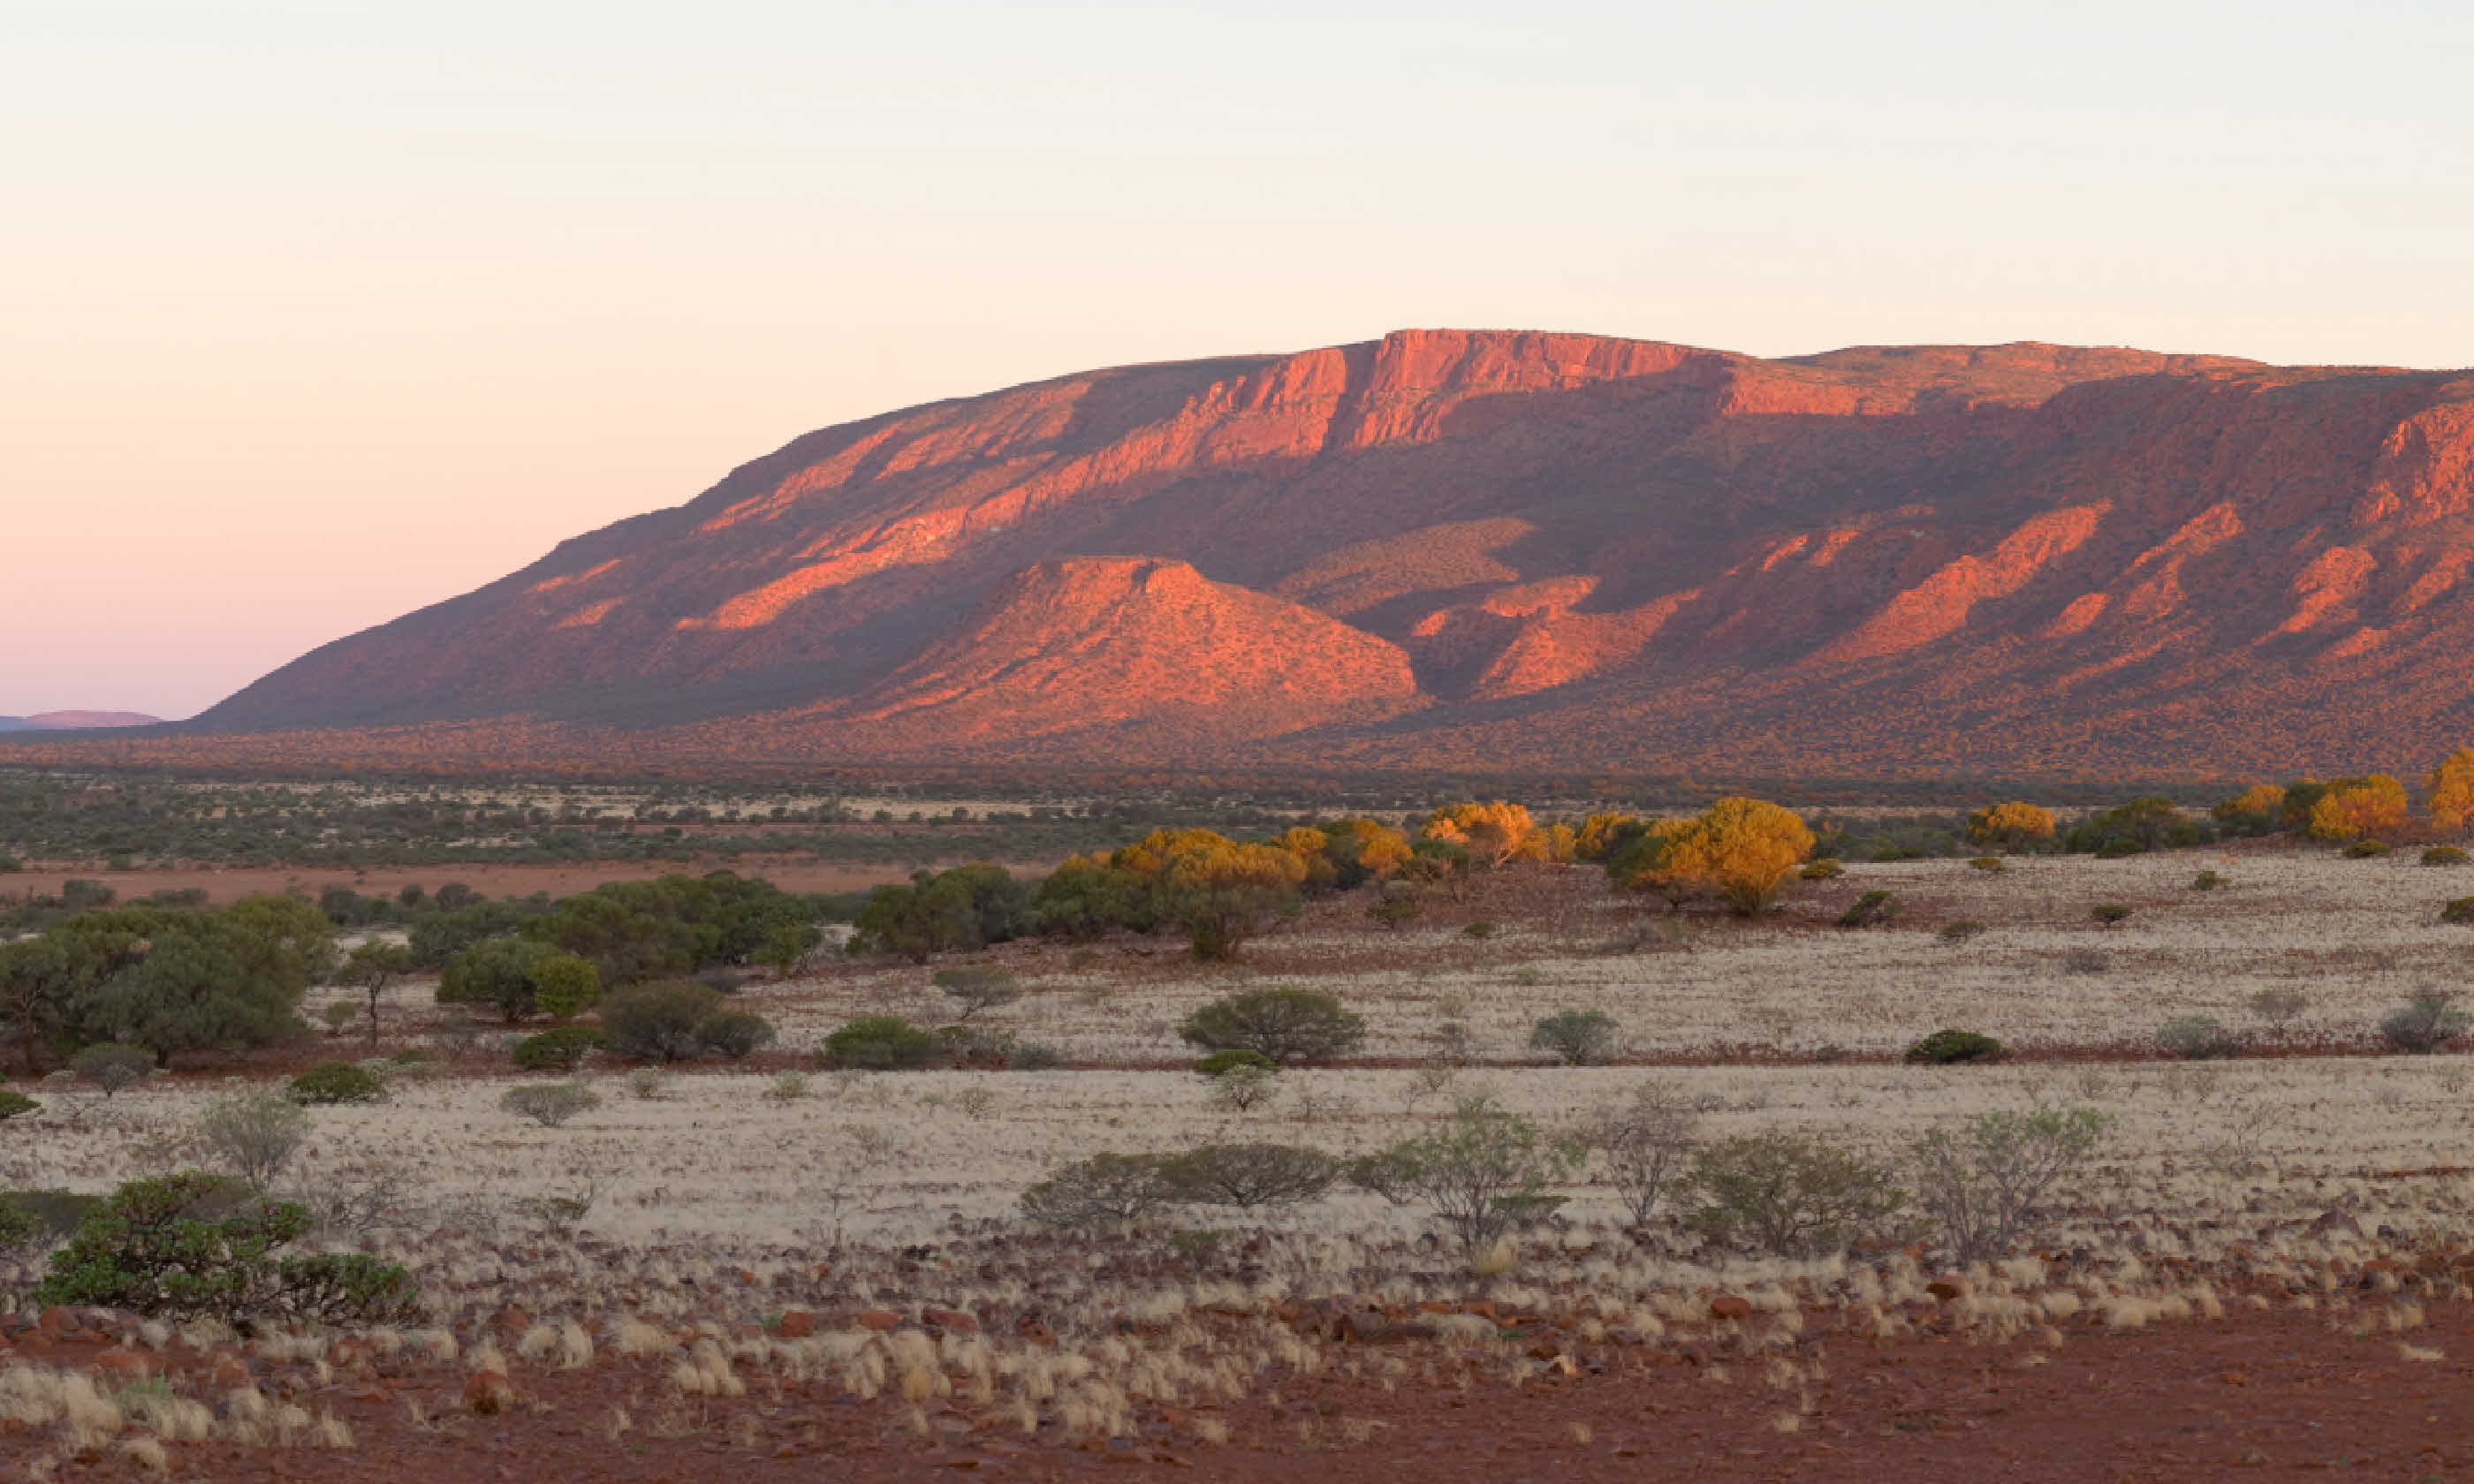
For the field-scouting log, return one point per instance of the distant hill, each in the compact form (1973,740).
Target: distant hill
(74,721)
(1459,549)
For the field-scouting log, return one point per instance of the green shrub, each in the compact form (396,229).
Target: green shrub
(112,1068)
(1824,868)
(2085,961)
(50,1215)
(565,985)
(1984,1182)
(1248,1175)
(1105,1190)
(1961,930)
(2426,1023)
(1485,1172)
(2462,910)
(2196,1038)
(1944,1048)
(17,1230)
(1479,931)
(2367,850)
(496,973)
(2118,849)
(2208,882)
(1790,1196)
(1219,1063)
(1992,863)
(561,1049)
(1283,1024)
(13,1103)
(880,1043)
(549,1104)
(254,1133)
(658,1022)
(193,1244)
(2443,855)
(335,1081)
(2110,913)
(1032,1055)
(2278,1006)
(1574,1038)
(1871,910)
(734,1033)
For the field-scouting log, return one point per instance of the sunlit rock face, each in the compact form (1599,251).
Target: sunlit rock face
(1496,549)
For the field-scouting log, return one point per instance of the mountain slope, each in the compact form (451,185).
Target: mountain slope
(1491,548)
(75,721)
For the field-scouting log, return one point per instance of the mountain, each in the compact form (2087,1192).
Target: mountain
(74,721)
(1507,550)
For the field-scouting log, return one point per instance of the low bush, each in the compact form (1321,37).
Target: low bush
(1032,1055)
(549,1104)
(880,1043)
(332,1083)
(1961,930)
(788,1087)
(1248,1177)
(2196,1038)
(1790,1196)
(562,1049)
(1575,1038)
(2443,855)
(1992,863)
(977,986)
(50,1215)
(14,1104)
(1644,1143)
(1220,1062)
(1105,1190)
(1944,1048)
(2462,910)
(1485,1172)
(1826,867)
(1283,1024)
(1983,1184)
(2278,1006)
(2425,1023)
(659,1022)
(1244,1088)
(256,1134)
(2367,850)
(2208,882)
(112,1068)
(1479,931)
(192,1244)
(2111,914)
(1871,910)
(2117,849)
(735,1034)
(2085,961)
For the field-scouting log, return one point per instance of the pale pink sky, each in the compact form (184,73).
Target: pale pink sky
(312,312)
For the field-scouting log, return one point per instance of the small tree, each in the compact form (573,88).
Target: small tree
(1284,1024)
(372,968)
(1244,1089)
(112,1068)
(565,985)
(1982,1184)
(658,1021)
(1788,1195)
(2013,825)
(2451,788)
(1574,1038)
(1105,1190)
(977,986)
(496,973)
(2425,1023)
(1248,1175)
(1484,1172)
(2354,809)
(1644,1143)
(1740,850)
(256,1134)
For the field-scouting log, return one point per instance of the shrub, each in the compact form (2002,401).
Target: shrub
(2352,808)
(193,1244)
(338,1015)
(2278,1006)
(49,1217)
(17,1230)
(1984,1183)
(1244,1088)
(1871,910)
(1032,1055)
(1644,1143)
(1994,864)
(644,1084)
(1574,1038)
(2085,961)
(2367,850)
(496,973)
(880,1043)
(2117,849)
(2462,910)
(1961,930)
(336,1082)
(2425,1023)
(565,985)
(112,1068)
(2443,855)
(561,1049)
(1221,1062)
(658,1022)
(256,1134)
(977,986)
(1248,1175)
(1484,1172)
(2196,1038)
(788,1087)
(13,1103)
(2451,788)
(2208,882)
(1396,910)
(1102,1191)
(1739,851)
(1944,1048)
(1283,1024)
(2015,825)
(1790,1196)
(549,1104)
(2110,913)
(1825,867)
(734,1033)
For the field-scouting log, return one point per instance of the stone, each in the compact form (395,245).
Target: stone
(797,1324)
(883,1321)
(1728,1305)
(488,1394)
(953,1319)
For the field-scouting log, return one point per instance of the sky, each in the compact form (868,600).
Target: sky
(313,313)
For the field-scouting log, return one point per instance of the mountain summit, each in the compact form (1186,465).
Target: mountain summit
(1505,550)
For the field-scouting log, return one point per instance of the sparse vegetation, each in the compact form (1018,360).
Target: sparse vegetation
(549,1104)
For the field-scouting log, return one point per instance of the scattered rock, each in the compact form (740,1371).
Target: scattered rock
(1728,1305)
(797,1324)
(489,1394)
(883,1321)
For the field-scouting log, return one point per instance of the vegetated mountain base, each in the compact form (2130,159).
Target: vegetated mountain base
(1465,550)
